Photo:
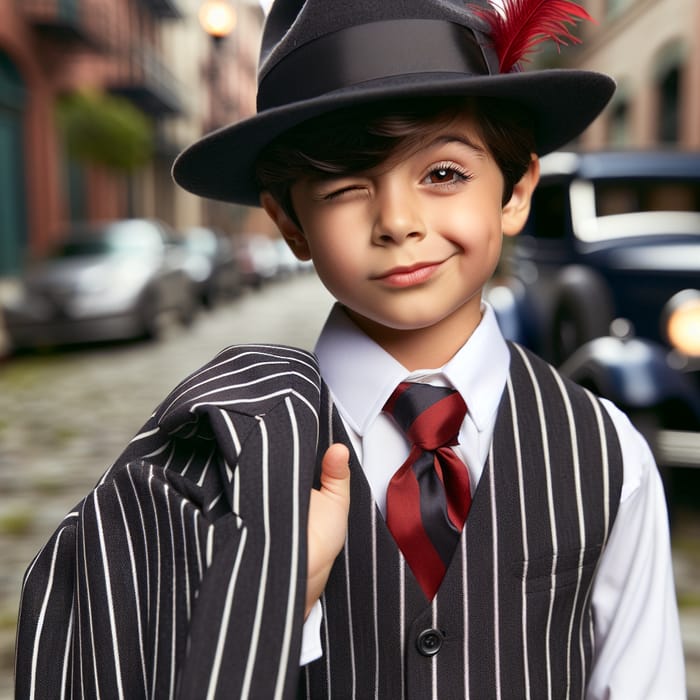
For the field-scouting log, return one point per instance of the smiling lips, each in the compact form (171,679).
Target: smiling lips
(408,276)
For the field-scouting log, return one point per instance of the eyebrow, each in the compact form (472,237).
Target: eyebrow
(455,138)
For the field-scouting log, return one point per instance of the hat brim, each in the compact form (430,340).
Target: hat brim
(221,165)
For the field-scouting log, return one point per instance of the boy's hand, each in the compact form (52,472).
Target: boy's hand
(328,520)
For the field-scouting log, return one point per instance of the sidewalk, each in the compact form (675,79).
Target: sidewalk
(690,628)
(686,569)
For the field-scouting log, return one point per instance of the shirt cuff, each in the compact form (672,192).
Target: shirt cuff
(311,648)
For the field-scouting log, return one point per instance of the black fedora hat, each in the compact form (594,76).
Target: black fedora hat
(321,55)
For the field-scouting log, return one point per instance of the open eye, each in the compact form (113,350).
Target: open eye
(446,174)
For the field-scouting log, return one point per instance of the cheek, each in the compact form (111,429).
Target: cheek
(335,239)
(335,261)
(472,230)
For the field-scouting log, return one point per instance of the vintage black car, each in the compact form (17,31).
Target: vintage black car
(604,282)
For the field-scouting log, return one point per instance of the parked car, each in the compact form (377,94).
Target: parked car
(287,263)
(104,281)
(257,258)
(211,265)
(605,282)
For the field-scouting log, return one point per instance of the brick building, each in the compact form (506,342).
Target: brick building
(155,54)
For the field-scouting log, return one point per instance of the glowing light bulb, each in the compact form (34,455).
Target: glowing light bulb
(217,18)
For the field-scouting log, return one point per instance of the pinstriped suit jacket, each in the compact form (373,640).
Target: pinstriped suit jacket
(183,573)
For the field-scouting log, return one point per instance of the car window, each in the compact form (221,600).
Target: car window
(120,237)
(81,247)
(614,197)
(606,209)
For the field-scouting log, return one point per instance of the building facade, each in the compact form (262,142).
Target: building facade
(152,53)
(156,54)
(652,49)
(221,79)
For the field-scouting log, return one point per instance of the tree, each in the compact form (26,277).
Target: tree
(102,129)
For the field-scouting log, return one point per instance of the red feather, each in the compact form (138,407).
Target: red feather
(524,24)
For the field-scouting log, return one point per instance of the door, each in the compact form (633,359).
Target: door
(13,234)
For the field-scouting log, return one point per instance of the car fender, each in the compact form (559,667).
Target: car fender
(631,372)
(514,316)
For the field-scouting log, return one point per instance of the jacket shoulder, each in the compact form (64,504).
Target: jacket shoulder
(246,379)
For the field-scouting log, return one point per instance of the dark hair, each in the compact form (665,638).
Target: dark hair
(357,139)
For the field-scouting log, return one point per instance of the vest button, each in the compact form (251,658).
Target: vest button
(429,642)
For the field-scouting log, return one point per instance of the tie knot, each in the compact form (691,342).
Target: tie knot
(430,416)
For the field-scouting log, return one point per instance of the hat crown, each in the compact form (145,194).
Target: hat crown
(318,56)
(293,23)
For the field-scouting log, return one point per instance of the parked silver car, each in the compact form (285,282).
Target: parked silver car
(107,281)
(211,264)
(258,259)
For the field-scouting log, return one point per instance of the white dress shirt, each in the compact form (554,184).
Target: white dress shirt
(638,652)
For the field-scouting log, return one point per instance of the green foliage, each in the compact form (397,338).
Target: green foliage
(105,130)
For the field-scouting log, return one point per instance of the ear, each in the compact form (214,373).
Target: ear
(291,233)
(516,210)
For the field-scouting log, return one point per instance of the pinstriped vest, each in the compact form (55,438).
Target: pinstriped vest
(512,618)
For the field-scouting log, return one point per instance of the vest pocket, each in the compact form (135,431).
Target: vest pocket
(559,570)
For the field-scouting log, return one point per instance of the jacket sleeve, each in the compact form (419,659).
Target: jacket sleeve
(182,575)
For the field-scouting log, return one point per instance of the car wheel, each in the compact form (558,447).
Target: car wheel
(582,311)
(150,317)
(187,311)
(210,299)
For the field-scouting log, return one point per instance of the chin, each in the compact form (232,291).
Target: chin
(413,322)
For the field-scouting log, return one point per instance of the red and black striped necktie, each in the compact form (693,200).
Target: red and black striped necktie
(428,497)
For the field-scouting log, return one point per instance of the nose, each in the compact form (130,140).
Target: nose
(398,215)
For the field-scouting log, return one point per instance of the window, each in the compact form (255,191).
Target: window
(615,7)
(669,106)
(618,125)
(13,233)
(669,65)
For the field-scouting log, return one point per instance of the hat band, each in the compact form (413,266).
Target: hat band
(371,52)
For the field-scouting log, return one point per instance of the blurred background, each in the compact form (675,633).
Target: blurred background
(101,254)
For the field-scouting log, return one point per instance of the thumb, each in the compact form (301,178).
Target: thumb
(335,471)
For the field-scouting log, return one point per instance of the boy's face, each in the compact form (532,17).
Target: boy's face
(410,245)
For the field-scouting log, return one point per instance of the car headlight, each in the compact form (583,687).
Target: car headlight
(682,321)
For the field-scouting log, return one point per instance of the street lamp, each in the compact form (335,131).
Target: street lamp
(218,19)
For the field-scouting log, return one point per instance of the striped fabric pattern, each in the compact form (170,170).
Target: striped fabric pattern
(512,616)
(183,573)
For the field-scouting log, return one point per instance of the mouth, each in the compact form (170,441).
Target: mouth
(409,275)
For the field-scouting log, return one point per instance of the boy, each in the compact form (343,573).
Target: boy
(506,534)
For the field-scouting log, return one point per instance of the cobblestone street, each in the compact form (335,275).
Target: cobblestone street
(64,417)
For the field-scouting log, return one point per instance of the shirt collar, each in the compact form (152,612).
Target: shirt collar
(480,368)
(361,375)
